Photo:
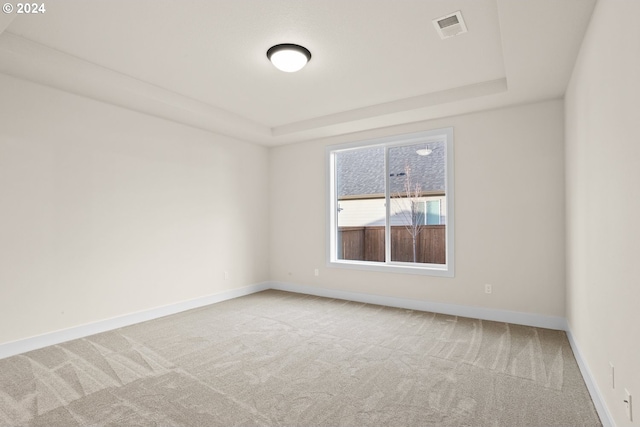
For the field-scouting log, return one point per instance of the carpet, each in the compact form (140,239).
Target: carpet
(282,359)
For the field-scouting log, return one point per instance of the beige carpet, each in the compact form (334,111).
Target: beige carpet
(282,359)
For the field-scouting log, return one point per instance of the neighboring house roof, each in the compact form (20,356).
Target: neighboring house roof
(361,172)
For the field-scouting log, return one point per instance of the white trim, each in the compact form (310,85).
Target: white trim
(519,318)
(28,60)
(435,270)
(598,401)
(63,335)
(81,331)
(330,220)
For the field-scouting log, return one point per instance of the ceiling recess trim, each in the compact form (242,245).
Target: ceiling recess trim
(491,87)
(28,60)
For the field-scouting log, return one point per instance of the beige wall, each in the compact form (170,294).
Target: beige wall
(105,212)
(509,219)
(603,203)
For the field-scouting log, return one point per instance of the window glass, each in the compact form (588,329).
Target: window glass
(390,203)
(361,207)
(416,173)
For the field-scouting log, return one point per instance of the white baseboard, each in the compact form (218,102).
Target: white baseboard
(81,331)
(57,337)
(527,319)
(592,386)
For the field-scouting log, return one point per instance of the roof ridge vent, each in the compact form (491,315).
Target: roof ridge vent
(450,25)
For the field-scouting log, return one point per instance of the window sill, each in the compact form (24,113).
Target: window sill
(437,270)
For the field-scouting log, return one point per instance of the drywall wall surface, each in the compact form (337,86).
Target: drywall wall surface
(509,217)
(106,212)
(603,203)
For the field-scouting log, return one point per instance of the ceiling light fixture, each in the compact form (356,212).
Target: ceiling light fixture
(424,151)
(288,57)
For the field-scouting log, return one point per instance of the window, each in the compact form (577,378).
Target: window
(391,204)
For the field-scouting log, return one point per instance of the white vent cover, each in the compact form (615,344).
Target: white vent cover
(450,25)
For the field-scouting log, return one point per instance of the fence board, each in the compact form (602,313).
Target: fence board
(367,244)
(351,243)
(374,244)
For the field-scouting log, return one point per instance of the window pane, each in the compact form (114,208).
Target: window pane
(417,188)
(360,203)
(433,212)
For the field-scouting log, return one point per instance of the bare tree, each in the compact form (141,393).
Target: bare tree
(408,203)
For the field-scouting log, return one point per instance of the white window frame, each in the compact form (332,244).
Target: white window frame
(442,270)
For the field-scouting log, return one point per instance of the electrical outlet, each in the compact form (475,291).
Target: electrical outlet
(613,376)
(487,289)
(226,275)
(316,272)
(627,401)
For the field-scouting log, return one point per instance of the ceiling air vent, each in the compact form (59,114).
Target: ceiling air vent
(450,25)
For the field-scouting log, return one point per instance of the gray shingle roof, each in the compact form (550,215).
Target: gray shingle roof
(360,172)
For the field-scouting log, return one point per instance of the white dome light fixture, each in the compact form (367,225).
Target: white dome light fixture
(288,57)
(424,151)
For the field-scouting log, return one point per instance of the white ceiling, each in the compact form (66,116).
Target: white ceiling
(375,63)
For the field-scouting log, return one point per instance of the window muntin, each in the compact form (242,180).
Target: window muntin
(390,207)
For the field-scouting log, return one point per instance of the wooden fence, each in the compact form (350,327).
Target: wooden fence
(367,244)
